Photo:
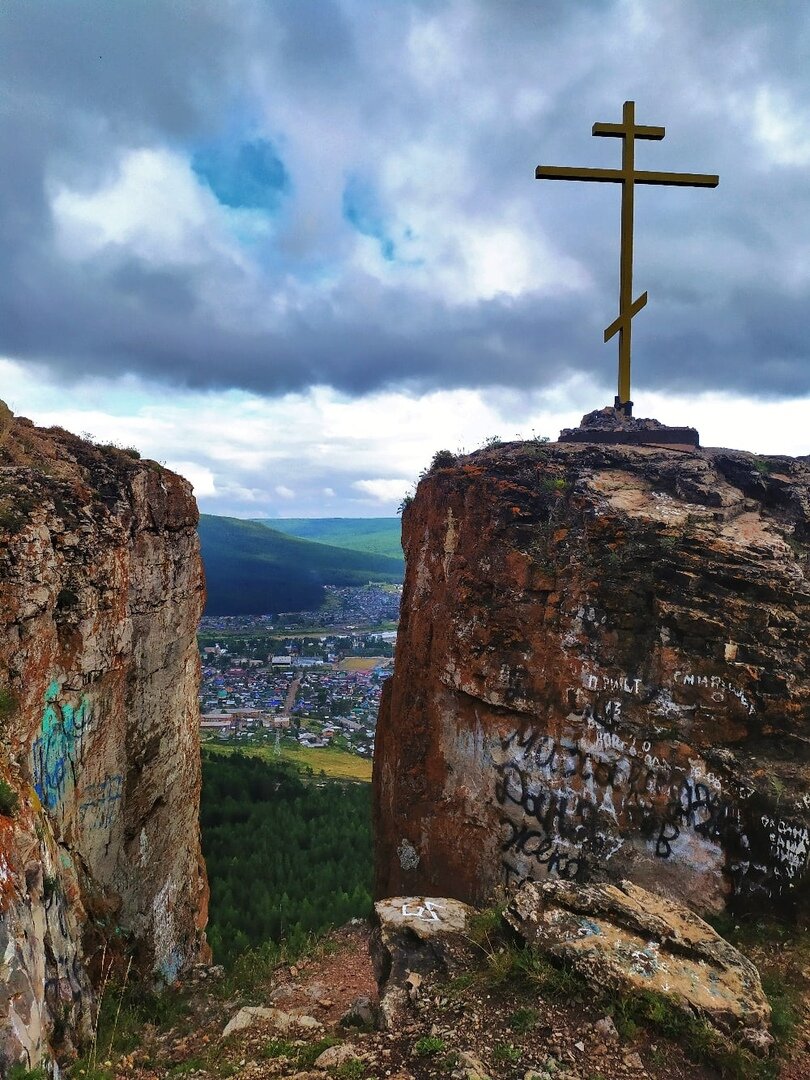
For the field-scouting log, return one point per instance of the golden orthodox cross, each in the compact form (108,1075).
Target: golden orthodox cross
(628,176)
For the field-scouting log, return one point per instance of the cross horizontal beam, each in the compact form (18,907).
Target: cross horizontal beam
(618,176)
(619,131)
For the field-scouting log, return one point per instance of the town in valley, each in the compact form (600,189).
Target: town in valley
(306,679)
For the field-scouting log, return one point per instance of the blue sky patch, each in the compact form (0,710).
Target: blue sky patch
(250,175)
(361,208)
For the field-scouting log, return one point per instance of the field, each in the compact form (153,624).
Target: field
(362,663)
(336,764)
(256,633)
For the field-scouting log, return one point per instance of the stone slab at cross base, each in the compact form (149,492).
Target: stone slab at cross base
(627,939)
(612,425)
(416,936)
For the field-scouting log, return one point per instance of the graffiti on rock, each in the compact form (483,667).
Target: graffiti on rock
(57,749)
(100,802)
(570,803)
(408,855)
(720,688)
(428,911)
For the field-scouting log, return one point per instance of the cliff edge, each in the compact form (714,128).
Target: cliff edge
(601,674)
(101,589)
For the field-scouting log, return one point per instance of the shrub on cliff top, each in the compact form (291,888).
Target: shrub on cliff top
(442,459)
(6,420)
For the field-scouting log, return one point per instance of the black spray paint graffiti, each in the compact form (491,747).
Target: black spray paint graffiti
(569,804)
(536,845)
(697,806)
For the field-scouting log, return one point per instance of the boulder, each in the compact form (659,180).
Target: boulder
(335,1056)
(472,1066)
(361,1013)
(416,936)
(625,939)
(250,1014)
(281,1020)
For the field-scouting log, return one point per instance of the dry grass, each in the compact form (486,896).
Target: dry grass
(362,663)
(336,764)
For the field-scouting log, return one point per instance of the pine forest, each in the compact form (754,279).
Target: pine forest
(288,853)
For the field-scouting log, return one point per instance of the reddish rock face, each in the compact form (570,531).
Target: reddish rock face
(601,673)
(101,589)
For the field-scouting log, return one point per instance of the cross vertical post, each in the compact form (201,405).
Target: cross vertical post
(628,176)
(626,249)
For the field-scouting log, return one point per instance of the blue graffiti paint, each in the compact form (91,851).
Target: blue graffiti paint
(99,804)
(170,966)
(57,747)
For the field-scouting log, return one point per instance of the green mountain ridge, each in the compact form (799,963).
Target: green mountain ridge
(252,569)
(378,536)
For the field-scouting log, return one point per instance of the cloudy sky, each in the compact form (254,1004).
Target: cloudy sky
(292,247)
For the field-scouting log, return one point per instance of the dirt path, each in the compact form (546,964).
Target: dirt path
(292,694)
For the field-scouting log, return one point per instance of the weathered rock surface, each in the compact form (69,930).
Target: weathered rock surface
(101,590)
(626,939)
(335,1056)
(283,1021)
(602,675)
(415,936)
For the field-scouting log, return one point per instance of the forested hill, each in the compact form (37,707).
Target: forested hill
(251,569)
(303,844)
(378,536)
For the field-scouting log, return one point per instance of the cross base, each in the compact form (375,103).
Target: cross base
(616,425)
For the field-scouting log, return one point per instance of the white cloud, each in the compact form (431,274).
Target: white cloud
(201,478)
(257,457)
(384,491)
(153,206)
(781,127)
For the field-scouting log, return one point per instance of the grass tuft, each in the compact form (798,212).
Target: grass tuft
(507,1053)
(350,1070)
(429,1046)
(523,1020)
(703,1044)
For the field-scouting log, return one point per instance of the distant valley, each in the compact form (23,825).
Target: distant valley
(271,565)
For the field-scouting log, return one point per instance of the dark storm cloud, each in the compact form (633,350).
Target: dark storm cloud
(341,90)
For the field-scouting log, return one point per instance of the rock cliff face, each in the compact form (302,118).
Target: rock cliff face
(101,589)
(602,674)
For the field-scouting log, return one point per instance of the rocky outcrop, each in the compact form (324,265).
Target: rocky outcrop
(413,937)
(601,674)
(101,589)
(627,940)
(621,940)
